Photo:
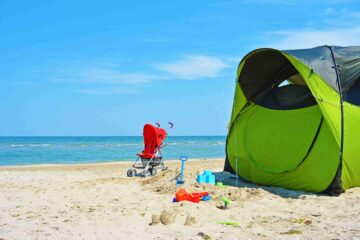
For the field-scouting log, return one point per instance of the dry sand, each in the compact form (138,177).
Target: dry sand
(98,201)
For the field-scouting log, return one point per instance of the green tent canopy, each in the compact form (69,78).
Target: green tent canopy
(295,120)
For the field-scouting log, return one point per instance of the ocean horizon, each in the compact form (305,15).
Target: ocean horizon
(29,150)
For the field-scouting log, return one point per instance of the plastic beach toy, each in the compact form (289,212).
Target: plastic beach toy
(226,202)
(206,177)
(180,181)
(206,198)
(182,195)
(219,184)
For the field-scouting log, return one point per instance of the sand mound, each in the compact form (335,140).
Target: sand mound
(167,217)
(165,183)
(190,220)
(155,219)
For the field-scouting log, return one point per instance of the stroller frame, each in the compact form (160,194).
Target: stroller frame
(149,165)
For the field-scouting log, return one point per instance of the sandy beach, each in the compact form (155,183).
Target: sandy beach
(98,201)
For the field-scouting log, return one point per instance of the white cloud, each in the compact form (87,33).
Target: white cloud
(105,75)
(311,38)
(235,59)
(108,79)
(193,67)
(338,26)
(111,91)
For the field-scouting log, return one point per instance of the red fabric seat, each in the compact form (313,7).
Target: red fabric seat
(153,138)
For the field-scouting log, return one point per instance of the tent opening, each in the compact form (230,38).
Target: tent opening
(268,79)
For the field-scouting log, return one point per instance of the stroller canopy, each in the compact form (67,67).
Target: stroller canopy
(153,138)
(296,119)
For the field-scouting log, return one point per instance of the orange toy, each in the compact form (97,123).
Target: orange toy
(182,195)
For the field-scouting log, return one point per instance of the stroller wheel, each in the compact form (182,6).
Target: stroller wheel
(146,173)
(131,172)
(153,171)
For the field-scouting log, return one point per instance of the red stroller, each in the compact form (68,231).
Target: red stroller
(151,156)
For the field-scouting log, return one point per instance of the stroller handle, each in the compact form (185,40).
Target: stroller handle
(171,125)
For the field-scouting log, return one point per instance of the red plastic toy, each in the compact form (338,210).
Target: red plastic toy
(182,195)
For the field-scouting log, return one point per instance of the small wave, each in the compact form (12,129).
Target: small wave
(218,144)
(40,145)
(128,144)
(31,145)
(17,145)
(78,144)
(105,145)
(122,145)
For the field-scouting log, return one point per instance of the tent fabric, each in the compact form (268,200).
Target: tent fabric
(315,173)
(301,135)
(320,60)
(265,142)
(348,63)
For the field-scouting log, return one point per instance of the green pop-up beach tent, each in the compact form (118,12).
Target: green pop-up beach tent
(295,120)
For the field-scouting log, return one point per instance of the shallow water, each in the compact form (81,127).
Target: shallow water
(58,150)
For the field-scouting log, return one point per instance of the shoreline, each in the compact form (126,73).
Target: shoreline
(92,164)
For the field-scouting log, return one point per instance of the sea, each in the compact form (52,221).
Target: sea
(69,150)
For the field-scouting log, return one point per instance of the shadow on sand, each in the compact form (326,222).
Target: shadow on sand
(235,181)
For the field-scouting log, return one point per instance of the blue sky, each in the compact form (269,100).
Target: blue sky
(107,67)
